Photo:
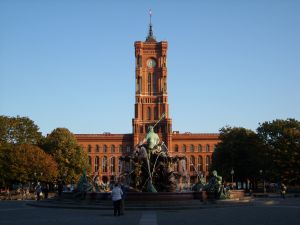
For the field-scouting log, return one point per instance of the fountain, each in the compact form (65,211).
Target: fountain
(152,176)
(153,167)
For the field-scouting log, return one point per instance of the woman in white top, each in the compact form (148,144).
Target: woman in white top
(116,196)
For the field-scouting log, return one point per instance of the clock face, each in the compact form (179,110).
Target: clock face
(151,63)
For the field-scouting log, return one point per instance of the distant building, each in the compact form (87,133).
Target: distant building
(151,101)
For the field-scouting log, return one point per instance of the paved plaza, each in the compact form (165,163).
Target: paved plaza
(260,212)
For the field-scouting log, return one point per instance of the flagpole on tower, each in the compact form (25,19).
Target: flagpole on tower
(150,36)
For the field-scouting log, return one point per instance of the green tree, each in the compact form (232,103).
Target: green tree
(24,163)
(239,149)
(282,156)
(70,157)
(18,130)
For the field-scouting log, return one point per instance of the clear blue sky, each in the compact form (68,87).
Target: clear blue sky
(71,63)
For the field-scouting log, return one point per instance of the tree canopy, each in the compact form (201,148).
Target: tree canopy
(19,130)
(70,157)
(282,155)
(240,149)
(24,163)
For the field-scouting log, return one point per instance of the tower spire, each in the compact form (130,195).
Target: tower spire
(150,36)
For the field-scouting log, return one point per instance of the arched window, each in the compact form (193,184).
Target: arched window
(140,60)
(200,163)
(207,148)
(120,148)
(112,164)
(199,148)
(89,148)
(120,166)
(104,164)
(112,149)
(207,163)
(90,160)
(176,148)
(184,148)
(138,85)
(104,148)
(97,148)
(154,82)
(192,148)
(155,113)
(148,113)
(149,83)
(96,164)
(183,164)
(192,163)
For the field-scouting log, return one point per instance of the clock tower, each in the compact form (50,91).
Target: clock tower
(151,98)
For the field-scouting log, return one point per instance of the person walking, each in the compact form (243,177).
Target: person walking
(116,196)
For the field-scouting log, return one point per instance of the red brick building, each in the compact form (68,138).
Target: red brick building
(151,101)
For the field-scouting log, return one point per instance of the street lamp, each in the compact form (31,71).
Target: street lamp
(35,177)
(263,177)
(232,173)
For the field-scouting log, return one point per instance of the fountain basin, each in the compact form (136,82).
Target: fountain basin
(152,197)
(140,196)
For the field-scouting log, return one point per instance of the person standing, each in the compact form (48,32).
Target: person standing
(38,191)
(124,190)
(46,190)
(7,194)
(283,190)
(116,196)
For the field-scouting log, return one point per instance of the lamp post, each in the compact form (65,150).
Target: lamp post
(263,177)
(35,176)
(232,173)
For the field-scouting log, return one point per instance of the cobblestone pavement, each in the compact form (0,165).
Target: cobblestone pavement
(262,212)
